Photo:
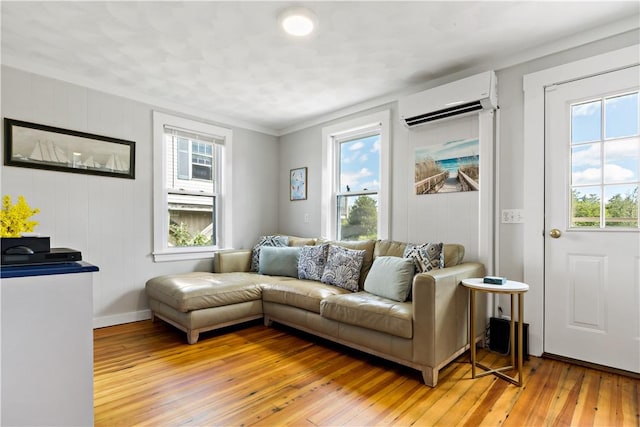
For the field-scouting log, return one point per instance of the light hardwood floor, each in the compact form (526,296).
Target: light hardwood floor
(146,374)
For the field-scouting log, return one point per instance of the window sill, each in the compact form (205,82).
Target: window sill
(185,254)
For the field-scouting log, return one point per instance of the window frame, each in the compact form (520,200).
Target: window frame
(332,137)
(223,196)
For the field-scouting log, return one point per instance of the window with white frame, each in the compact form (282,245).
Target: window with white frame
(191,162)
(355,179)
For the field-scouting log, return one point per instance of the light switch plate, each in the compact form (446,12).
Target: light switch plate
(512,216)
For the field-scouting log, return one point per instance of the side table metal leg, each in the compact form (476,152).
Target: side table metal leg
(520,336)
(472,330)
(512,332)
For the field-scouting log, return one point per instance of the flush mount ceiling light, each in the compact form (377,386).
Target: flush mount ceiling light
(298,21)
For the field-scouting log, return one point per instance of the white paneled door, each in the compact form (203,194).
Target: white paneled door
(592,239)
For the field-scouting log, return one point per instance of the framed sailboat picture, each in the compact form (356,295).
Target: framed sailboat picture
(32,145)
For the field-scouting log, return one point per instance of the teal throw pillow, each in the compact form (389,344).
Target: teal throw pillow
(278,241)
(279,261)
(390,277)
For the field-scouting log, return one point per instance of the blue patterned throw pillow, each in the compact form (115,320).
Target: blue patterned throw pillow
(312,261)
(277,241)
(426,257)
(343,267)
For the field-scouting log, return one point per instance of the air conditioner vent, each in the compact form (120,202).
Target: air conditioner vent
(444,113)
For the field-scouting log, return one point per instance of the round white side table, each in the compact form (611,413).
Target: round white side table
(512,288)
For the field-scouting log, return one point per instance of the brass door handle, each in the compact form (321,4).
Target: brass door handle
(555,233)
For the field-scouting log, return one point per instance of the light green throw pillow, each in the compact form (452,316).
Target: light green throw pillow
(279,261)
(390,277)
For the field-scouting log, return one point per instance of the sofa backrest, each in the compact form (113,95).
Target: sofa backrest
(301,241)
(453,252)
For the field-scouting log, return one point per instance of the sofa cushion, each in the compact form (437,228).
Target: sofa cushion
(390,277)
(389,248)
(276,261)
(370,311)
(301,241)
(277,241)
(193,291)
(453,254)
(312,261)
(367,246)
(427,257)
(303,294)
(343,267)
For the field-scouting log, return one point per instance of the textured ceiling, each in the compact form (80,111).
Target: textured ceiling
(230,59)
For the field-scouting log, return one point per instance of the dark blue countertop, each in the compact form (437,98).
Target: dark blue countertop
(46,269)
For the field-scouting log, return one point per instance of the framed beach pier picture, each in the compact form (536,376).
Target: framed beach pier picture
(298,184)
(32,145)
(447,168)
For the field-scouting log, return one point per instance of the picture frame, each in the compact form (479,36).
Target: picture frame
(298,184)
(32,145)
(450,167)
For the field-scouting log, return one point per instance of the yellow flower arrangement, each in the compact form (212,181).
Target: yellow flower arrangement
(14,219)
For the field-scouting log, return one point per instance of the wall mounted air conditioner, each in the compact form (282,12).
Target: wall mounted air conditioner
(461,97)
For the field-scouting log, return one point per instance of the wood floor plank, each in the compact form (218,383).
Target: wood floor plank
(146,374)
(569,396)
(440,412)
(588,407)
(630,401)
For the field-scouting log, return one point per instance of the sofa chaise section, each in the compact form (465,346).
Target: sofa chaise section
(199,302)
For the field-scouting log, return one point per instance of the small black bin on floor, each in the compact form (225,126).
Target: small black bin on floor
(499,336)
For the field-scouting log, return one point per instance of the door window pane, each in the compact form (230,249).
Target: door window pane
(621,160)
(586,119)
(585,207)
(621,116)
(585,164)
(598,161)
(621,207)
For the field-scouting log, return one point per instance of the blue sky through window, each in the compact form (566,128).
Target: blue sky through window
(612,124)
(360,164)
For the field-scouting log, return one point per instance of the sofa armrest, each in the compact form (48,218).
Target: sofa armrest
(233,260)
(441,312)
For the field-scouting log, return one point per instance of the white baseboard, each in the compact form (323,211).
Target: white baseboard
(118,319)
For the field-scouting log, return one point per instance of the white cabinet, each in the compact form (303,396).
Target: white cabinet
(47,347)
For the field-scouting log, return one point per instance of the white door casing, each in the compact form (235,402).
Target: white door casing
(533,252)
(592,297)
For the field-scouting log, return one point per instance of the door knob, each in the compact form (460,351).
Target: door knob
(555,233)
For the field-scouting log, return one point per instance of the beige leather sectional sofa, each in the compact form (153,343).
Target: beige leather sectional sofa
(425,332)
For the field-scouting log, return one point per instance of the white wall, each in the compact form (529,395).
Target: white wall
(449,217)
(303,148)
(445,217)
(110,219)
